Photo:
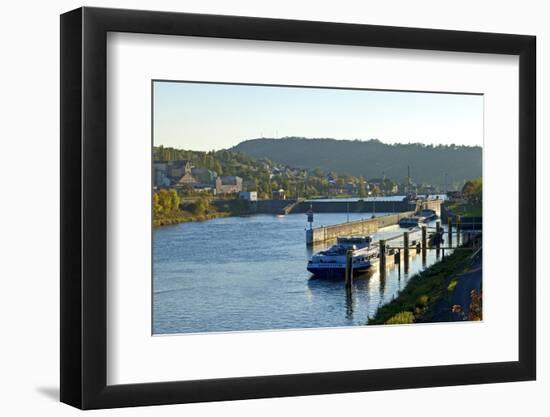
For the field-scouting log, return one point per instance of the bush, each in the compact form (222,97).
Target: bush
(201,206)
(404,317)
(452,285)
(422,301)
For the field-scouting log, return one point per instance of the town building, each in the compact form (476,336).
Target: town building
(204,175)
(203,188)
(229,185)
(385,185)
(249,195)
(178,168)
(168,173)
(160,175)
(186,179)
(350,188)
(278,194)
(454,195)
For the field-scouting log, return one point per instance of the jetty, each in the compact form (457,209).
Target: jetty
(369,226)
(322,234)
(402,247)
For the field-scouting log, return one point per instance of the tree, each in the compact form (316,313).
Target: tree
(388,185)
(201,206)
(157,208)
(362,188)
(174,200)
(255,186)
(473,190)
(217,168)
(165,201)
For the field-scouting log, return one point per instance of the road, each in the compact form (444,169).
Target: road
(467,282)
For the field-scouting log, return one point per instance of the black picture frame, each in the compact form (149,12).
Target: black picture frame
(84,207)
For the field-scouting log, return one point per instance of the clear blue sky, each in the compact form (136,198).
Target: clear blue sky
(203,117)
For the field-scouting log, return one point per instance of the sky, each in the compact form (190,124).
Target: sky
(202,116)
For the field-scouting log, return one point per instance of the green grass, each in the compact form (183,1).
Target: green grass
(423,291)
(466,209)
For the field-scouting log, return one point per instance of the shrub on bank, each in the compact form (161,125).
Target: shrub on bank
(404,317)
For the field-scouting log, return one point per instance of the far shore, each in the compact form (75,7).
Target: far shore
(186,217)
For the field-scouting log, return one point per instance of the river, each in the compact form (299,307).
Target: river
(249,273)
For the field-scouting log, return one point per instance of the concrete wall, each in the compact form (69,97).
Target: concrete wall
(275,206)
(354,207)
(271,206)
(430,204)
(358,227)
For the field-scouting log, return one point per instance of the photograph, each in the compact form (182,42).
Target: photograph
(279,207)
(275,209)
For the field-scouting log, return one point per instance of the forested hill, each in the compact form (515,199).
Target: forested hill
(371,159)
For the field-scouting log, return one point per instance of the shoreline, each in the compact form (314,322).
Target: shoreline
(187,218)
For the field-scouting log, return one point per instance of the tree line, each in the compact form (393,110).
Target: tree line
(372,158)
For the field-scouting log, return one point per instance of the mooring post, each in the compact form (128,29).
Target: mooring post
(439,233)
(450,230)
(406,249)
(424,247)
(458,227)
(382,247)
(349,269)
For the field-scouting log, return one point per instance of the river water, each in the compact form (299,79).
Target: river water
(249,273)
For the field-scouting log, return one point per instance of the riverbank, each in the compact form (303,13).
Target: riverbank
(426,292)
(201,210)
(464,209)
(181,216)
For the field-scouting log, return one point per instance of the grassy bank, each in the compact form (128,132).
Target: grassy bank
(423,291)
(465,209)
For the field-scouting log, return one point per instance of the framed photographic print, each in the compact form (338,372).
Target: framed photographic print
(259,207)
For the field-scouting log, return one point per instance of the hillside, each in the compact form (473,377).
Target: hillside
(371,159)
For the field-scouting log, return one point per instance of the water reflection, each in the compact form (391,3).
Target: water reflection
(349,304)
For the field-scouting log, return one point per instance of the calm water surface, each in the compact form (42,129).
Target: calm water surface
(249,273)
